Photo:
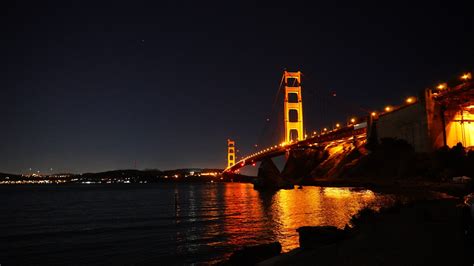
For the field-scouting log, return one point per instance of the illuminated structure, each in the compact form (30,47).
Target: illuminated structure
(293,107)
(439,116)
(230,153)
(460,128)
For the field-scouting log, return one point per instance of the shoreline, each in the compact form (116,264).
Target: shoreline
(433,226)
(398,186)
(425,232)
(428,229)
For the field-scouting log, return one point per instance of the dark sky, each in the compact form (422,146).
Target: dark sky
(92,86)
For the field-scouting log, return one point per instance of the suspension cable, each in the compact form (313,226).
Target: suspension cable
(267,119)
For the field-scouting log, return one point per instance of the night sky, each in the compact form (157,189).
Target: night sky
(94,86)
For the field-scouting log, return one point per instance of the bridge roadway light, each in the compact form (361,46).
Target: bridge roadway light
(388,108)
(442,86)
(410,100)
(466,76)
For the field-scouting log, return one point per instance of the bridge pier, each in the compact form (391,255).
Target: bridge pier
(269,177)
(300,163)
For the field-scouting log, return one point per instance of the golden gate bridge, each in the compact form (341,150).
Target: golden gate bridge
(439,116)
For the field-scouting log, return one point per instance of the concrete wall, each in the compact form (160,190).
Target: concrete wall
(434,121)
(409,123)
(421,123)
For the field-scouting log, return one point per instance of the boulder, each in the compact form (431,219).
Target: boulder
(316,236)
(254,254)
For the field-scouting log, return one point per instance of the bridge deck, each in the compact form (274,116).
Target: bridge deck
(317,140)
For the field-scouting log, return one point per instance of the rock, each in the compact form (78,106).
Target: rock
(254,254)
(315,236)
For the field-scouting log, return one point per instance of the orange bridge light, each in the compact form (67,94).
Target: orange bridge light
(410,100)
(442,86)
(466,76)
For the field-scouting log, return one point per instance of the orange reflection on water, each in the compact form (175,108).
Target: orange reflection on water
(287,210)
(293,209)
(227,217)
(242,214)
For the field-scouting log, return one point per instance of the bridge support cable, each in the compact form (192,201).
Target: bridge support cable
(269,119)
(328,102)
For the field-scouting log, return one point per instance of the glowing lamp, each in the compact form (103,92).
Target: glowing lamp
(442,86)
(466,76)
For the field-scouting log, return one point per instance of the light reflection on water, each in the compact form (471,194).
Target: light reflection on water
(140,224)
(249,217)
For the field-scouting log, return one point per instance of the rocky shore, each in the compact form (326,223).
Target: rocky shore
(429,232)
(423,233)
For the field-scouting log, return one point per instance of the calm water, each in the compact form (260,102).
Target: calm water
(139,224)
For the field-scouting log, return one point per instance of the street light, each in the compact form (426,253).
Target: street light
(466,76)
(353,120)
(373,114)
(410,100)
(388,108)
(337,125)
(442,86)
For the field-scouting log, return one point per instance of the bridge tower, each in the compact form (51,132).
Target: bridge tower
(293,107)
(230,153)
